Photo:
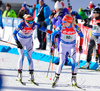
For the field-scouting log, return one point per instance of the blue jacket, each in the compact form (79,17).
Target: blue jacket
(58,20)
(47,13)
(77,15)
(1,24)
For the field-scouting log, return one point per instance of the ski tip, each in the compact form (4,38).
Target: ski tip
(50,78)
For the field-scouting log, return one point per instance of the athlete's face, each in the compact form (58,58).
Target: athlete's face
(67,24)
(95,14)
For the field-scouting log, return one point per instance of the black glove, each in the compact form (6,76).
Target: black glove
(60,13)
(98,24)
(19,44)
(80,49)
(87,25)
(57,35)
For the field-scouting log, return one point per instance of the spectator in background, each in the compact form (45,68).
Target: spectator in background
(57,19)
(1,24)
(24,5)
(42,16)
(2,6)
(91,7)
(22,12)
(9,12)
(82,14)
(74,14)
(62,4)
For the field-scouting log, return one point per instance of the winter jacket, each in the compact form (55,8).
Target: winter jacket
(46,11)
(10,13)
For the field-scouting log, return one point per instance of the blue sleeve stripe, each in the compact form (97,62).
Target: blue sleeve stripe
(81,34)
(15,34)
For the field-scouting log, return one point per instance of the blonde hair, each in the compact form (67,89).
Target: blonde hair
(26,16)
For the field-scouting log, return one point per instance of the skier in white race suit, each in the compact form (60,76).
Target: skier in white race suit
(67,45)
(23,38)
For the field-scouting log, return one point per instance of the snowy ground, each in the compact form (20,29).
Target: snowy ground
(88,79)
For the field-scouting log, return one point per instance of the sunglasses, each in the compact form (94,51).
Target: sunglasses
(29,22)
(63,21)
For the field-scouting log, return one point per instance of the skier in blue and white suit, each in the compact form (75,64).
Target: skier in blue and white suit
(67,45)
(23,38)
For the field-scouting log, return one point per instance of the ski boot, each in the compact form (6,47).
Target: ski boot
(98,69)
(96,58)
(19,75)
(74,80)
(55,80)
(32,77)
(85,66)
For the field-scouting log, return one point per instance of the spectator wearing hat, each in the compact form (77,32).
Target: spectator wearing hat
(91,7)
(74,14)
(81,12)
(57,19)
(42,16)
(24,5)
(94,39)
(9,12)
(22,12)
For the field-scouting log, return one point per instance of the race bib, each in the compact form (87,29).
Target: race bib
(95,27)
(68,36)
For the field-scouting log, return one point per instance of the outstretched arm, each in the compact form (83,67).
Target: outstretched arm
(42,28)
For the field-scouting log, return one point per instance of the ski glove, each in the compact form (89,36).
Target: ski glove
(98,24)
(48,31)
(87,25)
(19,44)
(80,49)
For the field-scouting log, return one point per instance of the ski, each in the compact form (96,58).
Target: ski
(76,86)
(53,84)
(20,81)
(55,81)
(32,81)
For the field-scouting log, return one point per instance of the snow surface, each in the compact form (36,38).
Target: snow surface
(88,79)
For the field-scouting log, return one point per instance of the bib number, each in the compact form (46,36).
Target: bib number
(68,37)
(95,28)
